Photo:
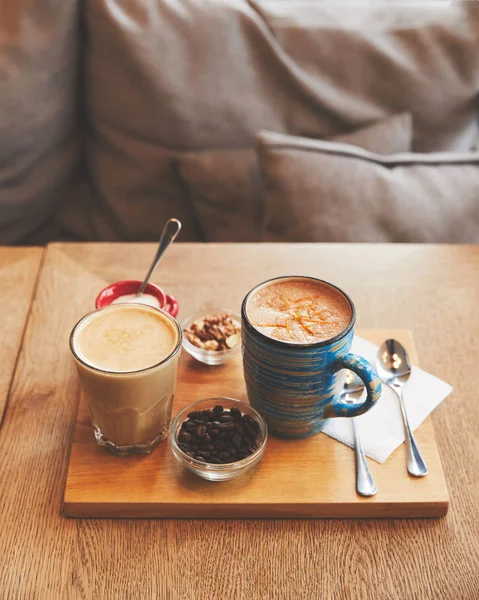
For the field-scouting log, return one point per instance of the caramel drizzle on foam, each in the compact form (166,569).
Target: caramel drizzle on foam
(305,321)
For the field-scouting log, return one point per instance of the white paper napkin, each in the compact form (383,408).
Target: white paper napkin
(381,429)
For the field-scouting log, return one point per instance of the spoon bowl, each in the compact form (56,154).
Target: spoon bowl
(352,385)
(393,364)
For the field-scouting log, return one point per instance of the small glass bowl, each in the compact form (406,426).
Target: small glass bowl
(226,471)
(210,357)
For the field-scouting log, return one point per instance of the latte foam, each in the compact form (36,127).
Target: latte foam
(299,310)
(125,338)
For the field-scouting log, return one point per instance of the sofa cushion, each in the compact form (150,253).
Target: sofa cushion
(39,147)
(325,192)
(394,56)
(172,77)
(224,185)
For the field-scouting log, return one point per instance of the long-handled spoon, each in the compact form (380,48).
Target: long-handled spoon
(365,485)
(394,369)
(170,231)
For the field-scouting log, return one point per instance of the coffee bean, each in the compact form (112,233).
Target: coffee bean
(185,437)
(239,429)
(228,426)
(225,419)
(200,430)
(219,436)
(235,413)
(248,432)
(218,410)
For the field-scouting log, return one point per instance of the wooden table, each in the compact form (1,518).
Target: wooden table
(18,276)
(432,290)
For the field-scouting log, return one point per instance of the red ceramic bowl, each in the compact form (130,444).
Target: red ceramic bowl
(131,286)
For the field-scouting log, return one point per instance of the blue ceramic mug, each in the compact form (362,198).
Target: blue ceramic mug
(297,386)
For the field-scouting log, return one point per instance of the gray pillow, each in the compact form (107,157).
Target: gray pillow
(39,148)
(326,192)
(170,77)
(224,185)
(394,56)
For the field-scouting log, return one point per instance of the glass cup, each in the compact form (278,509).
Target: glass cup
(130,410)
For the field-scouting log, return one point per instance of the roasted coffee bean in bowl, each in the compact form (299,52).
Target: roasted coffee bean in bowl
(218,438)
(212,337)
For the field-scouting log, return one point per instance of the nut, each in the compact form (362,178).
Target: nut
(211,345)
(232,340)
(214,332)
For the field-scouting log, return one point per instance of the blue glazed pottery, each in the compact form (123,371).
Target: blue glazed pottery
(297,386)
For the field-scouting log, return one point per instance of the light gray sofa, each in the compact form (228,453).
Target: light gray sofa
(105,104)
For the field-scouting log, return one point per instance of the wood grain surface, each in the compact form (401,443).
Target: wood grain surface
(18,275)
(324,479)
(431,290)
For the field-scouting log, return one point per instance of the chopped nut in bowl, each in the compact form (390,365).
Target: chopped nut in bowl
(212,337)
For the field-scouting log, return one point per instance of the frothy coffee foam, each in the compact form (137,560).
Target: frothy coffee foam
(125,338)
(299,311)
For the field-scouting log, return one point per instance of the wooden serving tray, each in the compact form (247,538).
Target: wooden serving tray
(309,478)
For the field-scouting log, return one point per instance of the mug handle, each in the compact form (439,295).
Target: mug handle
(371,381)
(171,305)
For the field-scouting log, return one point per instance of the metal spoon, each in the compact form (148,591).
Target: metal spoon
(394,369)
(365,486)
(170,231)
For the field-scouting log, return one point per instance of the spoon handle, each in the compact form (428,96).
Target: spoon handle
(415,463)
(170,231)
(365,485)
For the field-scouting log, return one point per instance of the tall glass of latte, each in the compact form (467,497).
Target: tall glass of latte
(127,360)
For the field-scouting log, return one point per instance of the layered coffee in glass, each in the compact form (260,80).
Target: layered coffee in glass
(127,360)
